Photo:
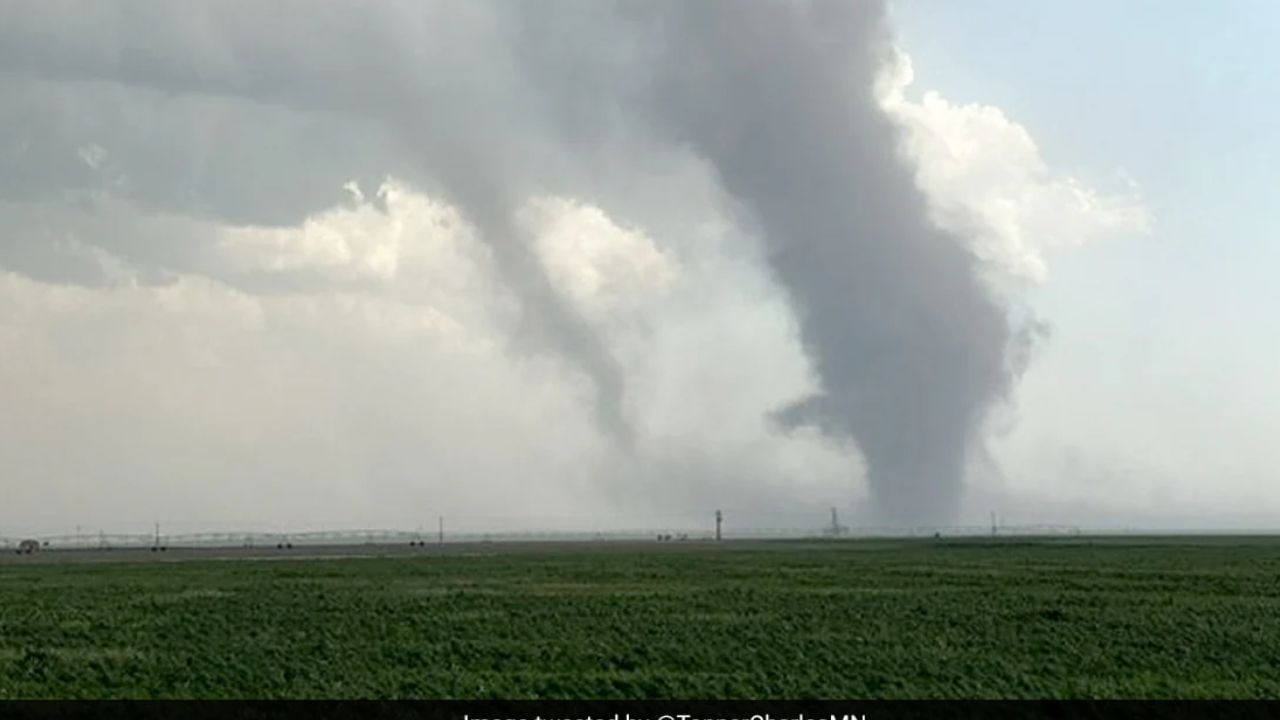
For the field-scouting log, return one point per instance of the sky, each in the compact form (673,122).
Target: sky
(1154,400)
(603,265)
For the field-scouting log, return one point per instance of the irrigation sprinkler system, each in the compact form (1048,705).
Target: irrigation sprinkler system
(716,529)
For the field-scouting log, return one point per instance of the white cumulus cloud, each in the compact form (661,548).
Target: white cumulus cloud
(986,180)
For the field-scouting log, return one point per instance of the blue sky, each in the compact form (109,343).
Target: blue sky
(1164,364)
(1183,96)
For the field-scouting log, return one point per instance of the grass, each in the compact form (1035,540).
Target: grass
(1104,618)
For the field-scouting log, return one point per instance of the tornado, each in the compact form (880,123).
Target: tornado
(908,344)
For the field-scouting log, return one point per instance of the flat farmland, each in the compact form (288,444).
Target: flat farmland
(1004,618)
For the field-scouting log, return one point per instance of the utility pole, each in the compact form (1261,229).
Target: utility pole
(994,527)
(719,521)
(157,535)
(441,538)
(835,523)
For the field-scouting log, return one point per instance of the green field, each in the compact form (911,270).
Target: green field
(1079,618)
